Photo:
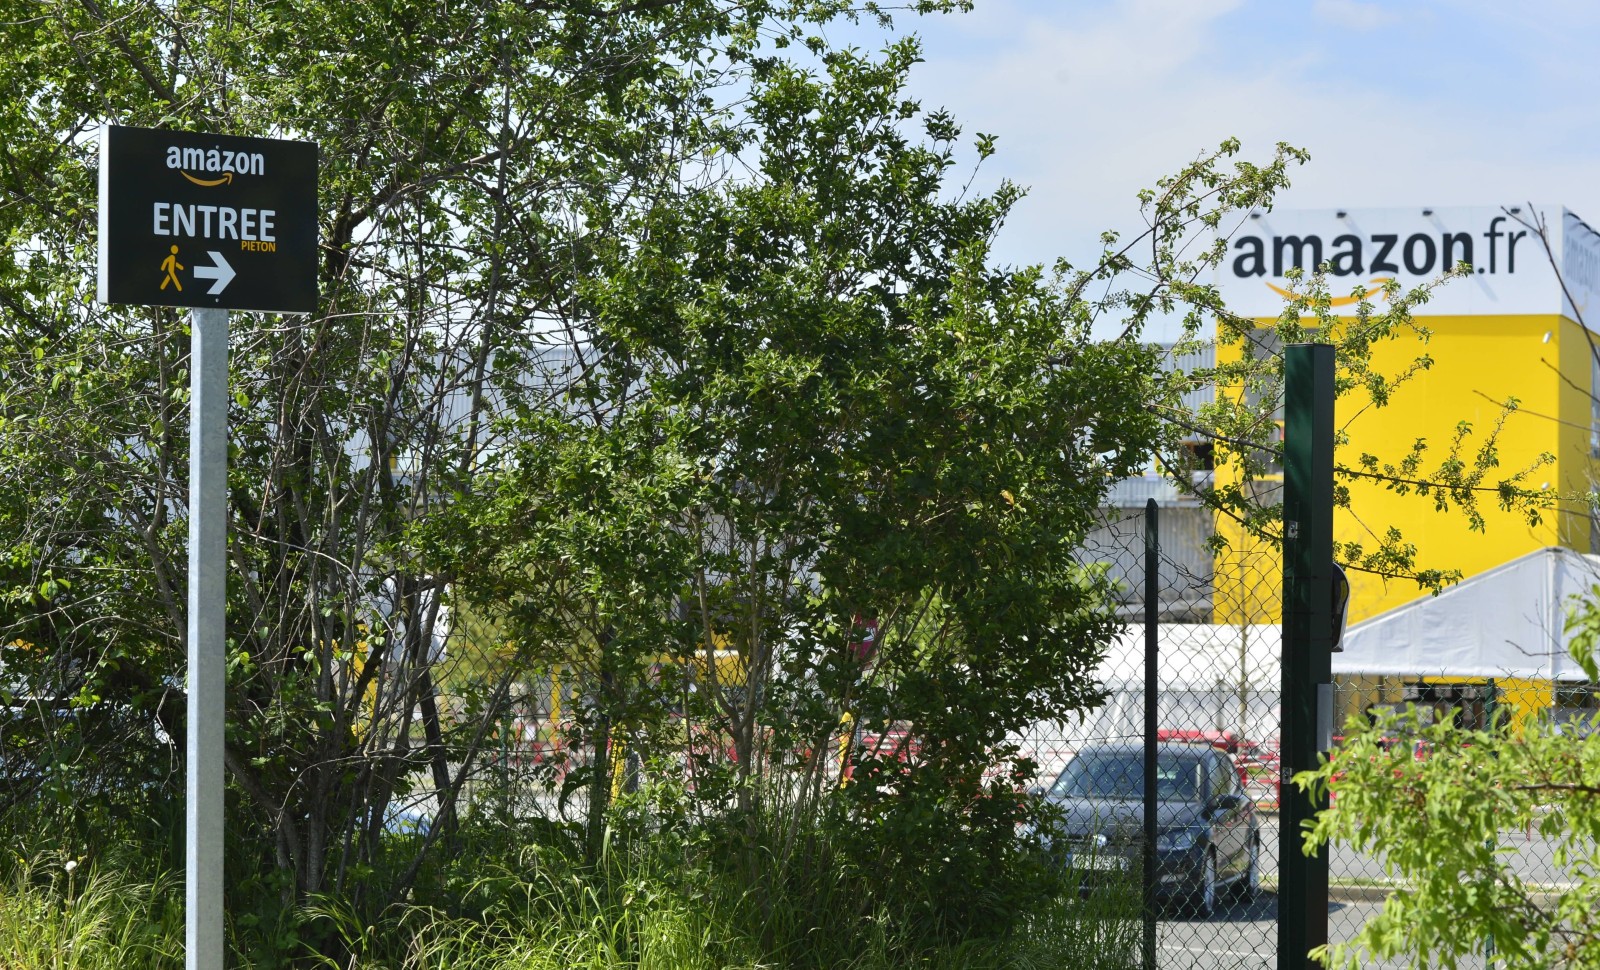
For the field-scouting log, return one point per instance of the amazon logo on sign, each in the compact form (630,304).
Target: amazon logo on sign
(1374,289)
(1381,255)
(221,164)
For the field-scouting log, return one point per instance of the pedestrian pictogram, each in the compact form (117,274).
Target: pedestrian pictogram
(170,266)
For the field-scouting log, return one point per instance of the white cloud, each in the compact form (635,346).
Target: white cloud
(1090,112)
(1091,108)
(1353,14)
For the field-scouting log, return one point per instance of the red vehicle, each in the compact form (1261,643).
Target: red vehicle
(1221,740)
(894,743)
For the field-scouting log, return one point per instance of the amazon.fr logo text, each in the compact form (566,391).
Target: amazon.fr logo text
(1421,253)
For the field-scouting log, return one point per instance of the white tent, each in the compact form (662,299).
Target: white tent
(1210,678)
(1505,622)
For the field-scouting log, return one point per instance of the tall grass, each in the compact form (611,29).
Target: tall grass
(547,912)
(643,908)
(1102,930)
(54,915)
(1072,935)
(646,907)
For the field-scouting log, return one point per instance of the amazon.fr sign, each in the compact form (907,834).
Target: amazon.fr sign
(1365,248)
(212,221)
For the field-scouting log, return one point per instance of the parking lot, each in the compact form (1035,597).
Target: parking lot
(1531,856)
(1243,936)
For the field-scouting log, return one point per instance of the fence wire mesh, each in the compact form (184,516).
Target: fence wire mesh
(1217,730)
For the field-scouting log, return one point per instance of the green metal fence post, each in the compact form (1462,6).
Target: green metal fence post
(1152,617)
(1307,641)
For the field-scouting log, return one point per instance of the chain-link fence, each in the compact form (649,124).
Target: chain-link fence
(1214,735)
(1215,731)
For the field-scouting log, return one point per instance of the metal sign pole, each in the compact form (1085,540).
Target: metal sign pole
(208,572)
(212,223)
(1307,641)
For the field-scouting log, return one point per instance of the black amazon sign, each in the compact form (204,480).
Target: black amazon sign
(190,219)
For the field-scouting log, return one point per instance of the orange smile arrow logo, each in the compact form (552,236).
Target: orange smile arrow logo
(227,178)
(1341,300)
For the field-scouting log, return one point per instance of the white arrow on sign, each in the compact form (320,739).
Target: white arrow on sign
(220,271)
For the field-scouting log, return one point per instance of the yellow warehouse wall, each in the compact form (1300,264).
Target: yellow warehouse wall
(1580,469)
(1479,362)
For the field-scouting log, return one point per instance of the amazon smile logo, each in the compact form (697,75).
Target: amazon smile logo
(216,166)
(1374,288)
(227,179)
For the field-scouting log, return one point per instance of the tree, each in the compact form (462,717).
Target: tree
(810,400)
(646,326)
(477,159)
(531,212)
(1435,812)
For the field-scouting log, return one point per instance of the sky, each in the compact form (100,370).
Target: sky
(1405,102)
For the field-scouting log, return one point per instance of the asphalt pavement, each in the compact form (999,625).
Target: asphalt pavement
(1244,935)
(1531,856)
